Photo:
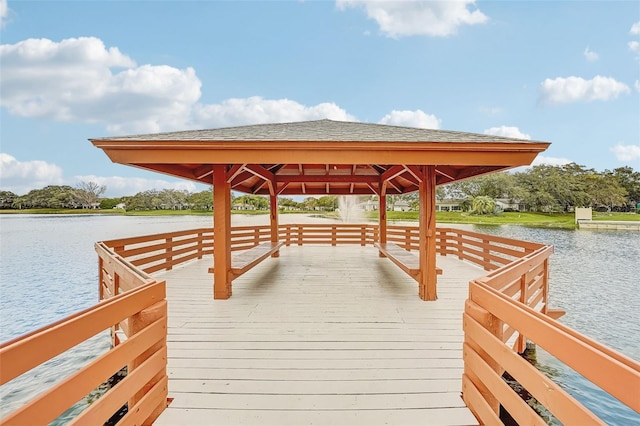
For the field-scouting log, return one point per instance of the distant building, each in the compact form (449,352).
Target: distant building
(368,206)
(449,205)
(122,206)
(510,205)
(401,206)
(243,206)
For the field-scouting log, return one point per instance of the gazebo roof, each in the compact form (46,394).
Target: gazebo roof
(321,157)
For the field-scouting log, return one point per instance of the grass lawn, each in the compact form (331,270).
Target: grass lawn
(617,216)
(545,220)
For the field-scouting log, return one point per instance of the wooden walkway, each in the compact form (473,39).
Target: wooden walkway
(320,335)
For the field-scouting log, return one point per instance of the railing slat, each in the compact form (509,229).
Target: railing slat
(549,394)
(577,351)
(516,406)
(17,357)
(49,405)
(101,410)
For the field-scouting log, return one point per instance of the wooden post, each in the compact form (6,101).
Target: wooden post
(169,253)
(273,208)
(427,283)
(382,221)
(221,233)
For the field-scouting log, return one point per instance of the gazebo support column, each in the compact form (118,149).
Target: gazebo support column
(273,208)
(427,284)
(221,233)
(382,221)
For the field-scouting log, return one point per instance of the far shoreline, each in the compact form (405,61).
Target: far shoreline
(527,219)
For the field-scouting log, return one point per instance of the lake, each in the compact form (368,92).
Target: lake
(48,270)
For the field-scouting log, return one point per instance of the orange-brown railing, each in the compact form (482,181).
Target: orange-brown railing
(134,302)
(334,234)
(513,299)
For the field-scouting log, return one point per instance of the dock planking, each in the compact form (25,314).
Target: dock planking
(320,335)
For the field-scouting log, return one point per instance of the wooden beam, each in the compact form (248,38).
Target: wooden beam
(221,233)
(282,188)
(234,171)
(265,174)
(239,178)
(328,178)
(203,171)
(392,172)
(415,172)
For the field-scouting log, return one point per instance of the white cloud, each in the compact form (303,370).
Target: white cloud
(590,55)
(551,161)
(408,18)
(20,177)
(80,79)
(635,29)
(634,46)
(507,132)
(576,89)
(118,186)
(4,13)
(417,118)
(255,110)
(626,153)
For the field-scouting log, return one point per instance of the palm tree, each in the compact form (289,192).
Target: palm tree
(483,205)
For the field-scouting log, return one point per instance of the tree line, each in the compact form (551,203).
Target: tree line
(542,188)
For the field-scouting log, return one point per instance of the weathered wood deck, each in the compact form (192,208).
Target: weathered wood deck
(320,335)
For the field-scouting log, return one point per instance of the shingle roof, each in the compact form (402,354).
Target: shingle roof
(321,157)
(320,130)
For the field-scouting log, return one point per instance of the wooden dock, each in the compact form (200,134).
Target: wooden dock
(320,335)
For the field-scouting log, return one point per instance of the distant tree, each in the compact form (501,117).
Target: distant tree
(52,196)
(483,205)
(605,191)
(202,200)
(467,204)
(257,201)
(109,203)
(6,199)
(171,199)
(288,203)
(328,202)
(142,200)
(630,181)
(88,194)
(310,203)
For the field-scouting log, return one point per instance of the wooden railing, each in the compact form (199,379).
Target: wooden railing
(513,299)
(157,252)
(133,302)
(334,234)
(506,307)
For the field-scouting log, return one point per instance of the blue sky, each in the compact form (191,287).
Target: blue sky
(567,72)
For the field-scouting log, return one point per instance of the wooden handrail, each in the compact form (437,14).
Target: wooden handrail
(27,352)
(613,372)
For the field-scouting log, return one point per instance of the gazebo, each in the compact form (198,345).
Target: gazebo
(323,157)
